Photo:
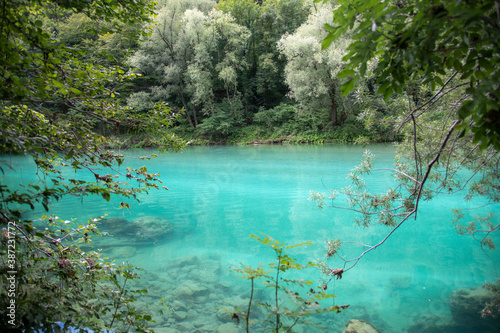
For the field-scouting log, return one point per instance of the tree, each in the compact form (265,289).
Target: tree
(263,84)
(232,40)
(51,104)
(198,57)
(166,54)
(441,61)
(312,73)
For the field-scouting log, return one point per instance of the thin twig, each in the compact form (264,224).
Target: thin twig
(431,164)
(356,260)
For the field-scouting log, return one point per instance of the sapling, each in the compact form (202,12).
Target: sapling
(274,275)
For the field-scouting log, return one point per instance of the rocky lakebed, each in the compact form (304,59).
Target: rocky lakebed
(195,294)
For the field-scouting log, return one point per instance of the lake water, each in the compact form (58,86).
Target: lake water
(220,195)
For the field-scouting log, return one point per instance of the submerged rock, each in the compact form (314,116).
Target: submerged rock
(228,328)
(142,229)
(359,326)
(166,330)
(191,260)
(180,315)
(435,324)
(224,314)
(190,289)
(466,306)
(152,227)
(122,252)
(185,327)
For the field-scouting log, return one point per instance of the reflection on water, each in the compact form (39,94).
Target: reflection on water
(187,238)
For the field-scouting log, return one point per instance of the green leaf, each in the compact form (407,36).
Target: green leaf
(483,63)
(327,41)
(345,73)
(57,84)
(106,196)
(388,93)
(349,85)
(329,28)
(466,109)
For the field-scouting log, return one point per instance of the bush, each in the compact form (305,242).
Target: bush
(221,124)
(275,117)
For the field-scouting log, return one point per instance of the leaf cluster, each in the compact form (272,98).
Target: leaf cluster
(58,282)
(426,40)
(292,299)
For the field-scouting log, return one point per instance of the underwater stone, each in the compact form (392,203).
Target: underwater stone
(237,302)
(145,228)
(400,282)
(202,299)
(152,227)
(359,326)
(159,320)
(192,314)
(466,306)
(201,321)
(180,315)
(185,261)
(183,291)
(113,221)
(165,330)
(185,327)
(434,324)
(123,252)
(210,271)
(226,285)
(207,328)
(224,313)
(179,305)
(189,289)
(227,328)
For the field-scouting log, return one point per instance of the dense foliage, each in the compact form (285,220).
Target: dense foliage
(55,102)
(427,42)
(233,66)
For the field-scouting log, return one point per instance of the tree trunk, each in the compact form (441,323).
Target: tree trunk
(334,102)
(184,104)
(189,118)
(195,118)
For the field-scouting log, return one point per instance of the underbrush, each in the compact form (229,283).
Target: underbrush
(264,131)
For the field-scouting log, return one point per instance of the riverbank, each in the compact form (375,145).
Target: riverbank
(255,135)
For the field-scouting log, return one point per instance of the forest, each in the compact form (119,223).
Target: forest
(81,80)
(232,72)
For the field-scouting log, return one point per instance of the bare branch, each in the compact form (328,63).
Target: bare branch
(356,260)
(431,164)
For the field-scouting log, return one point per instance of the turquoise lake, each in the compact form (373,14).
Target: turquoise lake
(219,195)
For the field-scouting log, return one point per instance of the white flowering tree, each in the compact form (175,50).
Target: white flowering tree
(311,72)
(196,53)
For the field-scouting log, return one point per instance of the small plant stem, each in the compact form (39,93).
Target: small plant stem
(276,294)
(294,322)
(118,304)
(249,306)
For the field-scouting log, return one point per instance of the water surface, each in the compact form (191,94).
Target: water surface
(220,195)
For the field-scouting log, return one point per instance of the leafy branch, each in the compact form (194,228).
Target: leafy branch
(283,317)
